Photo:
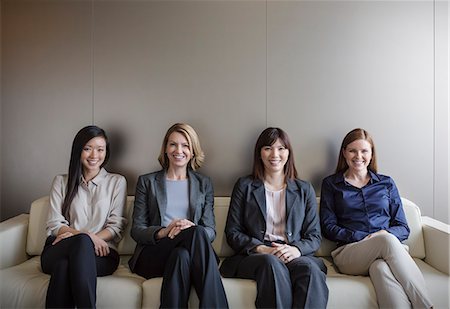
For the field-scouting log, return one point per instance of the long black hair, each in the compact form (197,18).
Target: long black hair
(75,168)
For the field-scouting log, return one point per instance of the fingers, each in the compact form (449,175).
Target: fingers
(174,232)
(102,249)
(177,225)
(285,252)
(61,237)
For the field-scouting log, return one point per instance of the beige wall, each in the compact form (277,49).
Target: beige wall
(229,68)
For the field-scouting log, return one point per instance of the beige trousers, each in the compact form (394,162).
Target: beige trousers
(397,280)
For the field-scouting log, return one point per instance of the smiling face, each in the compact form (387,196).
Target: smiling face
(274,157)
(178,151)
(93,155)
(358,155)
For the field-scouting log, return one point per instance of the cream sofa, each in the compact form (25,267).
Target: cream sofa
(23,285)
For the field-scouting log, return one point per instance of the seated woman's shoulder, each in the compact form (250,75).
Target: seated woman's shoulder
(383,177)
(244,180)
(303,184)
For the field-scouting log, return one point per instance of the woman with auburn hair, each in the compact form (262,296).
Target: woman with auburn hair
(173,224)
(273,227)
(85,223)
(362,211)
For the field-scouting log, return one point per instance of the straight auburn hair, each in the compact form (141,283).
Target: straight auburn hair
(75,167)
(352,136)
(268,137)
(198,156)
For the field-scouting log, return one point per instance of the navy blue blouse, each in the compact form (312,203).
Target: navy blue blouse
(348,214)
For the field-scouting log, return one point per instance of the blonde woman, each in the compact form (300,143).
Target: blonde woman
(173,224)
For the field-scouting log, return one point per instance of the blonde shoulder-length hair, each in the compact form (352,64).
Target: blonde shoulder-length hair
(198,156)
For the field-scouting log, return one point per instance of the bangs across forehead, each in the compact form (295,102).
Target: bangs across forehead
(272,138)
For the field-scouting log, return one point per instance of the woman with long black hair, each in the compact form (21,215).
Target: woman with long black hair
(85,223)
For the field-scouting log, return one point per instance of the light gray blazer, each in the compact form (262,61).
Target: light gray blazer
(150,204)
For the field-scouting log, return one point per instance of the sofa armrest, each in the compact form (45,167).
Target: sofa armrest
(437,244)
(13,240)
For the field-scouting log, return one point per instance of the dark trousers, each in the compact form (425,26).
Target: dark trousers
(74,268)
(297,284)
(187,259)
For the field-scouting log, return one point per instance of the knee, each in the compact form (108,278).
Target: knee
(199,231)
(269,261)
(82,243)
(304,267)
(388,240)
(378,266)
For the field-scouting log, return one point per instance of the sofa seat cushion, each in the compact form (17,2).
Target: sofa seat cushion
(438,284)
(241,293)
(25,286)
(349,291)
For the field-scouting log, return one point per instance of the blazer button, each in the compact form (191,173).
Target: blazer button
(289,234)
(262,232)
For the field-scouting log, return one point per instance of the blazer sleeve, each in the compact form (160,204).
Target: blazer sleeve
(142,231)
(207,219)
(310,237)
(237,234)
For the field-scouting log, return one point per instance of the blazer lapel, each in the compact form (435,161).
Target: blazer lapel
(291,197)
(161,193)
(194,190)
(260,196)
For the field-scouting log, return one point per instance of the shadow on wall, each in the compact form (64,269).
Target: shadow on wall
(118,144)
(328,168)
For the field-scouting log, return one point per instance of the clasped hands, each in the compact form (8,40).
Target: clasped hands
(284,252)
(100,246)
(174,228)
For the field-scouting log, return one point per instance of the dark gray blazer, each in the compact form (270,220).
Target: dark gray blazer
(246,221)
(150,204)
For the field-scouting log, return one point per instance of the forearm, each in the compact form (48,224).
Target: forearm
(105,234)
(67,229)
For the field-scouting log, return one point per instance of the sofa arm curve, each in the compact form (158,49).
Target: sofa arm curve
(13,240)
(437,244)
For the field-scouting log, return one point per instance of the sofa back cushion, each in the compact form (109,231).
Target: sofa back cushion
(39,208)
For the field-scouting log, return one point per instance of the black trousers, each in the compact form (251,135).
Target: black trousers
(297,284)
(187,259)
(74,268)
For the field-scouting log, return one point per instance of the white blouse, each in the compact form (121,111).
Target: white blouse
(276,215)
(99,204)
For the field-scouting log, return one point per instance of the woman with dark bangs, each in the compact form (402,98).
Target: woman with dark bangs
(273,227)
(85,223)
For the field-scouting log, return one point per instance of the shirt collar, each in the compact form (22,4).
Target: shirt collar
(339,177)
(97,179)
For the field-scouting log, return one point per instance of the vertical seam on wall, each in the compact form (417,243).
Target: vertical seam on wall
(434,109)
(266,71)
(92,62)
